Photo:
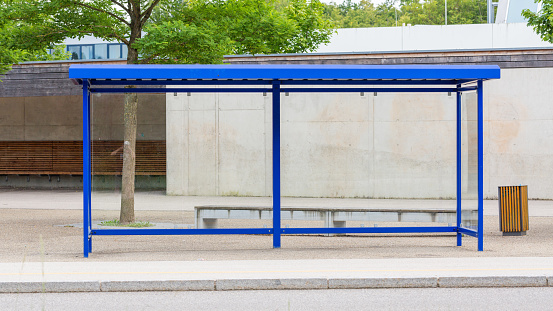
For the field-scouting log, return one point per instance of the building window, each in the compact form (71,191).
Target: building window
(87,51)
(75,51)
(101,51)
(98,51)
(125,51)
(114,51)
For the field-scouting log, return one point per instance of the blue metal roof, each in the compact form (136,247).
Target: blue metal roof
(284,72)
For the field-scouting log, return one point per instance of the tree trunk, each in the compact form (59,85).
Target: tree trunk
(129,145)
(129,158)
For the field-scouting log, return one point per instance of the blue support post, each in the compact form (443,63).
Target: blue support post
(480,165)
(276,164)
(87,247)
(459,179)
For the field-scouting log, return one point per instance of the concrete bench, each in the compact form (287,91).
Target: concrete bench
(206,216)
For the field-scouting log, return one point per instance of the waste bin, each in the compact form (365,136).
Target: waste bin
(513,210)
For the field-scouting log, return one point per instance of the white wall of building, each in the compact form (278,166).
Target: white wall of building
(434,37)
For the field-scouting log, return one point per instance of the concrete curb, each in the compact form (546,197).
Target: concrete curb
(275,284)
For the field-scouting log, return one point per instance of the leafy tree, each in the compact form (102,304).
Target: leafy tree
(415,12)
(432,12)
(350,14)
(8,56)
(11,54)
(387,14)
(167,31)
(542,21)
(232,27)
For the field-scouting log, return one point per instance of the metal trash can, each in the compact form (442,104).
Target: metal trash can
(513,210)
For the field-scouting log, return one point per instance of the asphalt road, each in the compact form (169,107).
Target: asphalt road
(373,299)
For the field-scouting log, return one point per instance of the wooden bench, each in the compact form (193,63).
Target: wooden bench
(206,216)
(66,157)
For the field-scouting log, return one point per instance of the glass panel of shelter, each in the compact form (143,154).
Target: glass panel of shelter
(469,160)
(368,159)
(212,174)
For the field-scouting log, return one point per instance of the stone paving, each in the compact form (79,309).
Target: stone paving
(36,239)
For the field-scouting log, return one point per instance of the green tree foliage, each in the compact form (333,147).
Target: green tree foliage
(351,14)
(12,53)
(388,14)
(542,22)
(425,12)
(178,30)
(193,31)
(432,12)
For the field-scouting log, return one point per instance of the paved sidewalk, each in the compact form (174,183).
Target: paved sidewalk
(158,201)
(276,274)
(42,254)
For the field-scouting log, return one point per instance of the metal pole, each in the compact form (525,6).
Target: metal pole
(445,12)
(480,165)
(87,247)
(459,235)
(276,164)
(490,11)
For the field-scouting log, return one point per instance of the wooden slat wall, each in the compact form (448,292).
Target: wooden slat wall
(65,157)
(18,156)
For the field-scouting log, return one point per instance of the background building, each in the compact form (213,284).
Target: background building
(360,145)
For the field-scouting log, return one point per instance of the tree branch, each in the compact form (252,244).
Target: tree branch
(121,6)
(103,11)
(146,15)
(149,59)
(134,7)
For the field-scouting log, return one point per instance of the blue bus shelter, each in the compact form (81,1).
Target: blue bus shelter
(277,79)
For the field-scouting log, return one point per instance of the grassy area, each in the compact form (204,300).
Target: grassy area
(116,223)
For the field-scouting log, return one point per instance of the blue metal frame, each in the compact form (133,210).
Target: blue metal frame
(399,73)
(412,78)
(87,171)
(480,118)
(276,164)
(459,172)
(288,90)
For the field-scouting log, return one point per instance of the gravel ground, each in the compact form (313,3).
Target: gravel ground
(40,235)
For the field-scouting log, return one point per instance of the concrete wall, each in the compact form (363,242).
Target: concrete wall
(218,144)
(107,117)
(38,118)
(519,132)
(362,145)
(41,118)
(333,145)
